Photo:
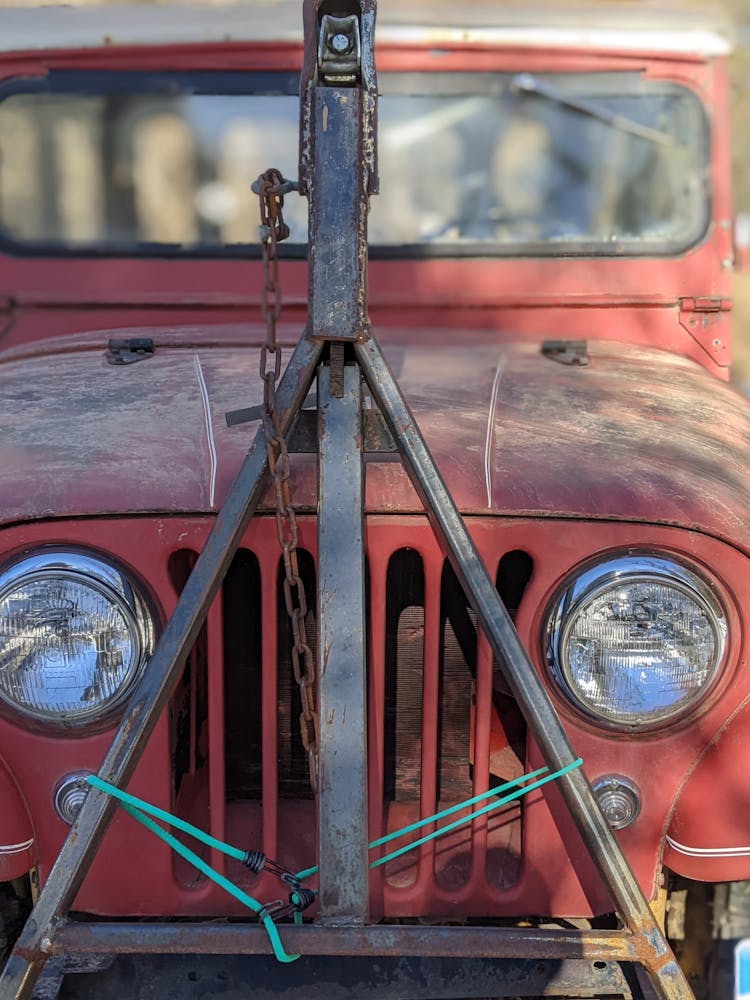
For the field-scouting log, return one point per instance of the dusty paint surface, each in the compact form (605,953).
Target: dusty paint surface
(638,434)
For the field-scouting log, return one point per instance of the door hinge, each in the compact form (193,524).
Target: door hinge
(706,304)
(705,317)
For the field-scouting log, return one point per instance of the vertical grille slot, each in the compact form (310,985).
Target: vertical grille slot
(242,607)
(508,741)
(293,773)
(188,706)
(403,676)
(458,658)
(215,716)
(402,709)
(501,752)
(513,575)
(188,723)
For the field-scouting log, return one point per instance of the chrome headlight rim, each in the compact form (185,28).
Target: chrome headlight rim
(598,574)
(99,572)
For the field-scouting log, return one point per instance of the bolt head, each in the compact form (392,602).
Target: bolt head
(339,43)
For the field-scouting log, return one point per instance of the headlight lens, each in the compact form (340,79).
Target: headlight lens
(636,640)
(74,635)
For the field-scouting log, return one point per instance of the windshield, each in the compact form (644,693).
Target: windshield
(470,163)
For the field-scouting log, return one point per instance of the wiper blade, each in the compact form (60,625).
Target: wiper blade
(526,83)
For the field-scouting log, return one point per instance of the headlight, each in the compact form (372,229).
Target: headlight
(74,635)
(635,640)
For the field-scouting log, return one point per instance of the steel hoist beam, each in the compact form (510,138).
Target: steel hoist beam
(338,175)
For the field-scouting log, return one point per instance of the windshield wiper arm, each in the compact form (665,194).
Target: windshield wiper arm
(526,83)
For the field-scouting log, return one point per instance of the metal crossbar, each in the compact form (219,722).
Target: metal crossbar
(338,174)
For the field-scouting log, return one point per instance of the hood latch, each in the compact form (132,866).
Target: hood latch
(127,352)
(566,352)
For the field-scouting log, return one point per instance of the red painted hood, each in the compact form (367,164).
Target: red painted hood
(637,435)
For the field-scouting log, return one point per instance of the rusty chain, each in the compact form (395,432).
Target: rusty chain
(271,188)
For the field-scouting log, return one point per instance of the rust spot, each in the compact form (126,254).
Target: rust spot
(325,599)
(331,898)
(28,954)
(128,723)
(324,659)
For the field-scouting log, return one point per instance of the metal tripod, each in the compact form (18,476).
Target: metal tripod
(338,174)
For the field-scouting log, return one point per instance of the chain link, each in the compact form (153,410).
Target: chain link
(271,187)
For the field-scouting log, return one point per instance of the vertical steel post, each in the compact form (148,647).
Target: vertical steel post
(338,233)
(336,173)
(342,779)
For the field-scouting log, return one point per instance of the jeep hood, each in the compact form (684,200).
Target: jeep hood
(637,435)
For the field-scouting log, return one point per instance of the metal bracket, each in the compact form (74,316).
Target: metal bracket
(49,982)
(303,438)
(248,414)
(376,438)
(339,50)
(127,352)
(706,319)
(336,355)
(566,352)
(386,977)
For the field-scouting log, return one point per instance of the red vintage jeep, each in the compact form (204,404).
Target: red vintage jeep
(550,260)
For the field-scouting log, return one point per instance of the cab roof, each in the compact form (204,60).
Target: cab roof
(634,26)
